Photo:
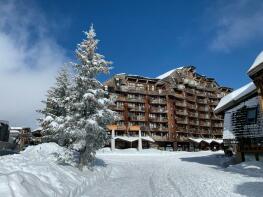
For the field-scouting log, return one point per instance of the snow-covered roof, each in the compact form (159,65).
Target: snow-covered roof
(37,129)
(168,73)
(132,139)
(234,97)
(257,65)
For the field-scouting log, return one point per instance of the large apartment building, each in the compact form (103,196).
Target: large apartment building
(172,109)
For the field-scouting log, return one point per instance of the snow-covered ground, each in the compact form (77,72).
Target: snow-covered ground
(128,173)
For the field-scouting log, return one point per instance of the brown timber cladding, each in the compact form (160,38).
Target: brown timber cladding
(170,109)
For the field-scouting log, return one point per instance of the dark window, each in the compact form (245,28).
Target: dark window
(252,115)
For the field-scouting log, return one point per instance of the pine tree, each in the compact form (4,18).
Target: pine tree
(55,110)
(87,110)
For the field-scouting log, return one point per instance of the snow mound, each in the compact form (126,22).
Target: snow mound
(36,172)
(235,96)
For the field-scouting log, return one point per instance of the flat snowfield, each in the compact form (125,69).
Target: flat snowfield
(128,173)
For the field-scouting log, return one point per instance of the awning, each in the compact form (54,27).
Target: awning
(207,140)
(132,138)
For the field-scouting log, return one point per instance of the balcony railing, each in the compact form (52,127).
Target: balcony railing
(217,125)
(205,124)
(137,118)
(181,104)
(135,99)
(201,94)
(158,110)
(158,101)
(163,129)
(204,116)
(203,109)
(191,106)
(179,95)
(190,98)
(202,101)
(192,114)
(178,121)
(158,119)
(184,113)
(139,109)
(189,91)
(160,138)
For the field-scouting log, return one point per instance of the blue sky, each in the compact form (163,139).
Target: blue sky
(151,37)
(220,38)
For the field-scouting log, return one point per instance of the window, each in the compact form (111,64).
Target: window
(251,115)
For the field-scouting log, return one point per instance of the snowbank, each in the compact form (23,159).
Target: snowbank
(36,172)
(132,151)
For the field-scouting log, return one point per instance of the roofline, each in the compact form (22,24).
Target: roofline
(253,71)
(236,102)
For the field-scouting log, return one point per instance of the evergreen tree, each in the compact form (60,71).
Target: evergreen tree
(87,109)
(55,110)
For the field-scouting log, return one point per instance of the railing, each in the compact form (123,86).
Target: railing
(190,91)
(202,101)
(160,138)
(207,124)
(217,125)
(190,98)
(190,106)
(192,114)
(136,99)
(203,109)
(159,110)
(181,121)
(158,101)
(181,104)
(156,119)
(159,129)
(137,118)
(193,123)
(140,109)
(201,94)
(184,113)
(179,95)
(202,116)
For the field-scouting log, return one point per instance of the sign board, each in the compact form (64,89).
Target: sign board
(134,128)
(112,127)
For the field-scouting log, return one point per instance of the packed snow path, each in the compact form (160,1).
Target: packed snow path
(176,174)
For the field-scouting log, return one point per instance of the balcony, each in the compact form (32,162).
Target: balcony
(180,104)
(120,98)
(193,123)
(179,95)
(205,124)
(117,108)
(178,121)
(189,91)
(121,127)
(201,101)
(157,92)
(133,89)
(158,119)
(191,98)
(205,109)
(217,125)
(136,99)
(160,129)
(204,116)
(183,113)
(201,94)
(158,101)
(158,110)
(137,118)
(190,106)
(190,114)
(138,109)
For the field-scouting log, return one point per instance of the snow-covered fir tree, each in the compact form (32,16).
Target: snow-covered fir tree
(55,110)
(88,112)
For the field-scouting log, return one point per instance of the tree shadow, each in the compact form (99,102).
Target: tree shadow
(99,162)
(251,189)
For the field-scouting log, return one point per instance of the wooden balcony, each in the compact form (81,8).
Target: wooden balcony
(180,104)
(204,116)
(217,125)
(158,110)
(205,124)
(136,100)
(181,96)
(189,91)
(190,98)
(205,109)
(137,118)
(201,94)
(201,101)
(160,129)
(117,108)
(183,113)
(158,101)
(138,109)
(157,119)
(190,106)
(190,114)
(178,121)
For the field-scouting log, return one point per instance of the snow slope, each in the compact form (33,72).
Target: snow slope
(128,173)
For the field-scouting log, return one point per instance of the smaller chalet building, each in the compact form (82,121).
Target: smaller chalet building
(243,117)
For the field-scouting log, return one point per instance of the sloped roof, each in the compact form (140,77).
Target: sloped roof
(257,65)
(235,97)
(164,75)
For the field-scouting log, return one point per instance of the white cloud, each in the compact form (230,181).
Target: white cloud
(29,59)
(236,24)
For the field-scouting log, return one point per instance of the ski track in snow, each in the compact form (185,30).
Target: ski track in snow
(129,173)
(167,176)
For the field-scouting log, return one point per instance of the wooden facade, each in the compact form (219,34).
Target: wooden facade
(169,109)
